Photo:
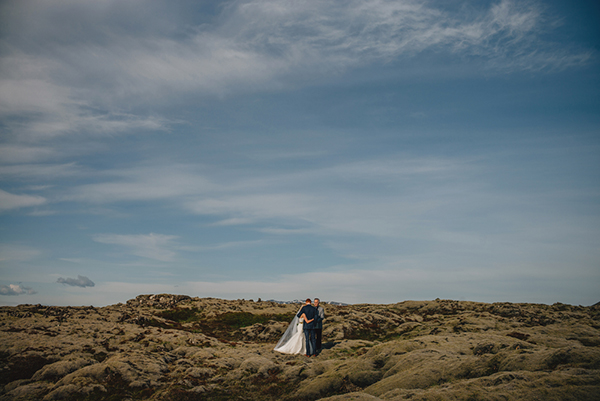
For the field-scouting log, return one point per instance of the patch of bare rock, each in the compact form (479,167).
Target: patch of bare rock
(175,347)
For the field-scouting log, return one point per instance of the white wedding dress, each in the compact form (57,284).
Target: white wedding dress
(292,341)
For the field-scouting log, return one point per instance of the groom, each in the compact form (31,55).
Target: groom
(319,322)
(309,314)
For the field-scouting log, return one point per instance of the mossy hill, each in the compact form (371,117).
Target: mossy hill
(175,347)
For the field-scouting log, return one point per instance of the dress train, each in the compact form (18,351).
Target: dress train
(292,341)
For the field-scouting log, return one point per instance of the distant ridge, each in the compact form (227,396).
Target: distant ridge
(298,301)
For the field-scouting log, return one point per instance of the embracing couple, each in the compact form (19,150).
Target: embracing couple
(304,334)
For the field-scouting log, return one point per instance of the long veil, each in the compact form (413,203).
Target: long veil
(289,332)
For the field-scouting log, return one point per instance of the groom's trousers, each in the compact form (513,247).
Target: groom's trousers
(311,341)
(319,337)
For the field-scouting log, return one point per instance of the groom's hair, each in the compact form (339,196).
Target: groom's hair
(307,299)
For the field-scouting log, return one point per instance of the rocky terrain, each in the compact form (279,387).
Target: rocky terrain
(173,347)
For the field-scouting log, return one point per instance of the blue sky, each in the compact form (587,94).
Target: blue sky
(357,151)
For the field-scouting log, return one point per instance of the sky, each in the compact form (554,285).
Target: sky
(368,151)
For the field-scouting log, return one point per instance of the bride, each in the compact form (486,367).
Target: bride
(292,341)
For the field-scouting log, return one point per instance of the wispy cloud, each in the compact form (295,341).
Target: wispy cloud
(18,153)
(39,171)
(89,124)
(259,42)
(16,252)
(10,201)
(143,183)
(80,281)
(42,213)
(255,206)
(221,246)
(16,289)
(390,199)
(234,221)
(48,109)
(77,84)
(322,200)
(152,246)
(286,231)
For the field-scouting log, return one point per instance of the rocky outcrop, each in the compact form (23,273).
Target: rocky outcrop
(174,347)
(158,301)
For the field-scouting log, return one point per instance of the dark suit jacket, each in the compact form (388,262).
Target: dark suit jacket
(311,313)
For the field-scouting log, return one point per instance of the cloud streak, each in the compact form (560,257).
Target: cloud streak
(308,200)
(12,252)
(10,201)
(407,196)
(151,246)
(143,183)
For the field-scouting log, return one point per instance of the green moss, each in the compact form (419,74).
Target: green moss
(371,332)
(21,367)
(238,320)
(117,389)
(181,315)
(100,356)
(232,319)
(223,327)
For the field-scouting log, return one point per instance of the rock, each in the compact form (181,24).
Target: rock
(63,392)
(257,365)
(161,301)
(60,369)
(26,391)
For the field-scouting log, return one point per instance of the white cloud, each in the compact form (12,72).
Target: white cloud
(152,246)
(10,201)
(16,289)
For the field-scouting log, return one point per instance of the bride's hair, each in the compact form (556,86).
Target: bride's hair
(307,299)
